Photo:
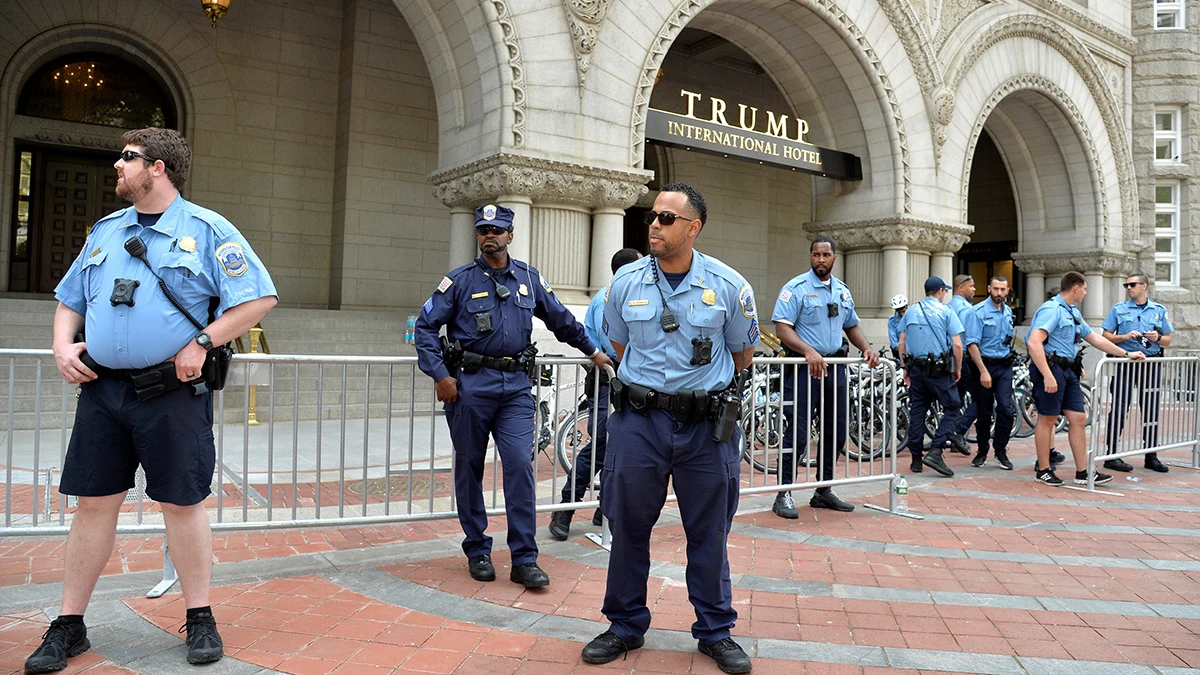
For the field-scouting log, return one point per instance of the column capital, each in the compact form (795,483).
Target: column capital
(1088,261)
(894,231)
(542,180)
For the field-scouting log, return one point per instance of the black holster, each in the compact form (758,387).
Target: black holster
(452,355)
(156,380)
(726,415)
(618,394)
(216,367)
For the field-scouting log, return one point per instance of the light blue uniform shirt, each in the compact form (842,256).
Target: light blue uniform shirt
(1129,316)
(1062,323)
(803,304)
(894,329)
(713,301)
(593,323)
(990,328)
(928,328)
(199,255)
(961,306)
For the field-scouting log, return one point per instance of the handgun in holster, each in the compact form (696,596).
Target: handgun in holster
(728,409)
(452,355)
(527,358)
(617,394)
(1077,364)
(85,358)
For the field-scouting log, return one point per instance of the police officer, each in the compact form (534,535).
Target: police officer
(961,302)
(1137,325)
(684,326)
(574,487)
(488,307)
(130,325)
(1055,332)
(989,336)
(931,349)
(811,313)
(899,306)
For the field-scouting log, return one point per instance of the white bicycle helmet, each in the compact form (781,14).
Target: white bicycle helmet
(899,301)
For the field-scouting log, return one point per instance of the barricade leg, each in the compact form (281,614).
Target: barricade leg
(170,576)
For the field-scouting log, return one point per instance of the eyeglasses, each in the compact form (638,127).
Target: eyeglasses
(665,218)
(1132,284)
(130,155)
(491,229)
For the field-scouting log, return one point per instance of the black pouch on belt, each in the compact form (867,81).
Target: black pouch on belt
(471,362)
(693,406)
(641,399)
(155,381)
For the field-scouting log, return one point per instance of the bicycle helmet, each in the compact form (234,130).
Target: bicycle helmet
(899,301)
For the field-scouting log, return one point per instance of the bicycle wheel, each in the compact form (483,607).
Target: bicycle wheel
(757,431)
(1029,416)
(573,434)
(868,434)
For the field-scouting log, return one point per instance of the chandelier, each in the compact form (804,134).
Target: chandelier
(215,9)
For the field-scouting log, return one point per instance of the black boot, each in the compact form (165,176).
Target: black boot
(1153,463)
(958,443)
(560,524)
(933,459)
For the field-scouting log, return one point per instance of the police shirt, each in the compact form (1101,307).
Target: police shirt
(990,328)
(469,291)
(928,328)
(1064,326)
(1129,316)
(894,330)
(713,301)
(960,305)
(803,304)
(197,252)
(593,323)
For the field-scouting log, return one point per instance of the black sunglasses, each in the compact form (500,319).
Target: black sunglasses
(491,229)
(1131,285)
(130,155)
(665,218)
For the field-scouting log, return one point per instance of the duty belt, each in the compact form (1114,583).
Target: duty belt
(505,363)
(999,360)
(1061,361)
(689,405)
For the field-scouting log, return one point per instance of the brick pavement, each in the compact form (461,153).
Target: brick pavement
(1006,576)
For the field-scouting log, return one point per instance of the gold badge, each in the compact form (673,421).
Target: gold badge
(476,296)
(523,289)
(187,244)
(709,297)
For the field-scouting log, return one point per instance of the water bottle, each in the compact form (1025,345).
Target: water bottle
(901,495)
(1133,479)
(409,327)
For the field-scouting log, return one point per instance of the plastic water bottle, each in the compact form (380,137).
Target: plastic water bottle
(1133,479)
(409,327)
(902,495)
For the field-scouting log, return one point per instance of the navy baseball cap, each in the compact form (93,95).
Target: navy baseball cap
(494,215)
(935,284)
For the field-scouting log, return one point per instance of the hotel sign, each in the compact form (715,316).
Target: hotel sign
(780,142)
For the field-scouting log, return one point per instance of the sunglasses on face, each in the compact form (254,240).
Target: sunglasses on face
(130,155)
(1132,285)
(491,229)
(664,218)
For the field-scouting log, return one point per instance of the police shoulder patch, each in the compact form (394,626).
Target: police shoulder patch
(428,306)
(232,258)
(444,284)
(752,335)
(607,290)
(785,295)
(545,285)
(746,299)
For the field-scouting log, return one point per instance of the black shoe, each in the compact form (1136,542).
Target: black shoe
(729,656)
(1047,476)
(1081,477)
(784,507)
(481,568)
(1002,460)
(1056,457)
(828,500)
(203,642)
(1153,463)
(958,443)
(980,459)
(933,460)
(1118,465)
(598,518)
(529,575)
(60,642)
(560,524)
(917,466)
(607,647)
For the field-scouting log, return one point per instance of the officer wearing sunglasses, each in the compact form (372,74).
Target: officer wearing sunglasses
(488,307)
(1137,325)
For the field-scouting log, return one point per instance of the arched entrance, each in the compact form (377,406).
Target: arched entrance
(992,211)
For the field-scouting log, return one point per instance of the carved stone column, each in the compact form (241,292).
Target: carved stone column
(524,228)
(608,237)
(562,248)
(895,271)
(1035,291)
(1094,306)
(941,264)
(462,235)
(1095,264)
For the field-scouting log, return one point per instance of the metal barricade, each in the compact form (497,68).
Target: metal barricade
(1146,406)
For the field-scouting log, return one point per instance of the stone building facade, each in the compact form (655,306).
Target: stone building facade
(351,139)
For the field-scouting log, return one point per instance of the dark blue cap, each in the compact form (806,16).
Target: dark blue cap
(935,284)
(493,215)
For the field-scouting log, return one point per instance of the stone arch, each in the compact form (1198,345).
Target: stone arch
(1071,49)
(850,36)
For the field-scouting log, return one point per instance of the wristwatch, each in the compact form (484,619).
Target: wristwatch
(204,341)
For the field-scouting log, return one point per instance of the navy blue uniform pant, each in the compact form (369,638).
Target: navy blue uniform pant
(645,453)
(923,391)
(971,411)
(577,486)
(508,417)
(1143,381)
(826,397)
(999,399)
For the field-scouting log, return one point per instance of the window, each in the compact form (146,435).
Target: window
(96,89)
(1166,233)
(1168,14)
(21,233)
(1167,141)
